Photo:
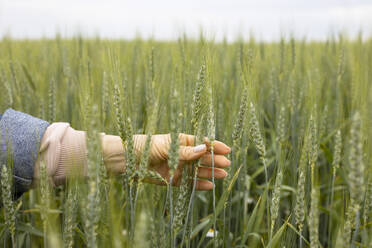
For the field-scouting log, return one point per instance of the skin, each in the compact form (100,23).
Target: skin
(159,159)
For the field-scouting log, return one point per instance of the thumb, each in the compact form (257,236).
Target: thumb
(190,153)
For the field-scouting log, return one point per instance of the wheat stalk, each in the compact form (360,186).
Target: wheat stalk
(7,202)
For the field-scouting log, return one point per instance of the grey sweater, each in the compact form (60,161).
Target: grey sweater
(20,136)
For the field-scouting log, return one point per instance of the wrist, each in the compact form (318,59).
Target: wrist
(113,154)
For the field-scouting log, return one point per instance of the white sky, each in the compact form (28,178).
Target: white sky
(167,19)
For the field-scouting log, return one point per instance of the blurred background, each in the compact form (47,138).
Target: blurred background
(167,19)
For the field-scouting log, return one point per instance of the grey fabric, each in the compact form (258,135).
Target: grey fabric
(20,136)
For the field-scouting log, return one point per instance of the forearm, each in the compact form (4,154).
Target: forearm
(64,152)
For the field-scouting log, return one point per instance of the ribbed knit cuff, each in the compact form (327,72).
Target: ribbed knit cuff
(73,156)
(63,150)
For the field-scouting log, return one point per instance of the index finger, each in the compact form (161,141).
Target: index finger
(219,147)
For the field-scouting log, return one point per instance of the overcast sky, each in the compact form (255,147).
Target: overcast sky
(167,19)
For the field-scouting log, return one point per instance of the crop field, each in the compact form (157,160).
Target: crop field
(296,113)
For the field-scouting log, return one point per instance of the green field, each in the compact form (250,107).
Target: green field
(296,113)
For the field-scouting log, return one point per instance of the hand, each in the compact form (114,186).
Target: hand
(158,160)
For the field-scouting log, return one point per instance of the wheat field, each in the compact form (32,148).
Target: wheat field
(296,114)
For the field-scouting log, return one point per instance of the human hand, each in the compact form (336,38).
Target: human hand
(158,159)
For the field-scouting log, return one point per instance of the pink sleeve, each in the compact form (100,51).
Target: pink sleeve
(63,150)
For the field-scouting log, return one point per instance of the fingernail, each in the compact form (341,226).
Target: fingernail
(223,174)
(228,162)
(228,149)
(200,148)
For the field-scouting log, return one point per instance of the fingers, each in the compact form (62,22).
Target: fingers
(204,185)
(219,160)
(189,140)
(200,184)
(221,148)
(186,139)
(190,153)
(207,173)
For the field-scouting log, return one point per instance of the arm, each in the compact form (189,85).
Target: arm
(63,150)
(27,141)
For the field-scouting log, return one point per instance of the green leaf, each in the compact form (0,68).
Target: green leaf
(260,213)
(298,233)
(199,227)
(29,229)
(276,239)
(21,239)
(260,206)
